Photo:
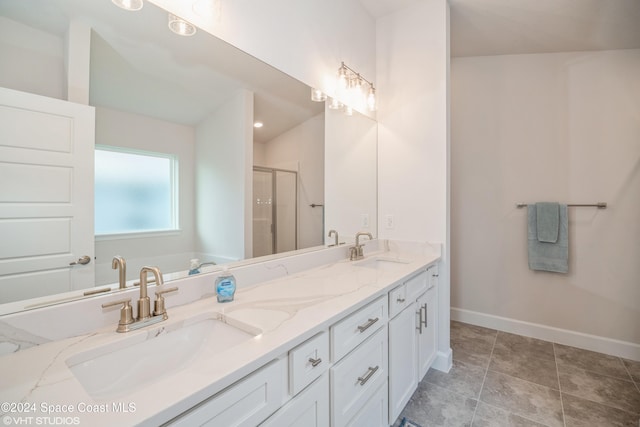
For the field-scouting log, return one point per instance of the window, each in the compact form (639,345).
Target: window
(135,191)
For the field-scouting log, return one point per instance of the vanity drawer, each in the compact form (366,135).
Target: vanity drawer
(416,285)
(397,300)
(357,327)
(245,403)
(308,361)
(357,377)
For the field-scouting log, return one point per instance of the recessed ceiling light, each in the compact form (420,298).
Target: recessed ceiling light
(180,26)
(132,5)
(258,124)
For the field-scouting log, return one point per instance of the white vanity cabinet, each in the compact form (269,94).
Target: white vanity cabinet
(412,336)
(361,372)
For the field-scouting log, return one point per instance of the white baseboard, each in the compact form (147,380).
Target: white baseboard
(443,361)
(627,350)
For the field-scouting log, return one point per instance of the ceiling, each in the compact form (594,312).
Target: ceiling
(506,27)
(138,65)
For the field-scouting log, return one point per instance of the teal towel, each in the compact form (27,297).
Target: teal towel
(547,256)
(547,222)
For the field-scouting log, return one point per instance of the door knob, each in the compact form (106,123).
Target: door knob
(83,260)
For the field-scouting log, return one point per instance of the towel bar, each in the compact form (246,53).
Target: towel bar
(599,205)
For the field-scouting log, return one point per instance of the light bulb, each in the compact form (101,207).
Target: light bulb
(342,77)
(335,104)
(317,95)
(371,99)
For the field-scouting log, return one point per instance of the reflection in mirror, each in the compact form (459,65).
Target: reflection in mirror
(194,99)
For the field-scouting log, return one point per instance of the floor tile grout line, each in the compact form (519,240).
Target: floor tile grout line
(519,415)
(599,403)
(633,380)
(564,417)
(486,371)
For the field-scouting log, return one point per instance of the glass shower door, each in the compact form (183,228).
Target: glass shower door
(262,213)
(286,213)
(275,211)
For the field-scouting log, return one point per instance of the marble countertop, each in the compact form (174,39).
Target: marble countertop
(281,313)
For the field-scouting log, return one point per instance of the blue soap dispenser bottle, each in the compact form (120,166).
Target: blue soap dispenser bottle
(194,267)
(225,286)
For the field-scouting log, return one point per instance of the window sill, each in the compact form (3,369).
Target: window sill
(138,235)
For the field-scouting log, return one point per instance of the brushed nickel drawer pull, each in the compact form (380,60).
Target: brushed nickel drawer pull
(426,325)
(368,375)
(315,362)
(400,300)
(367,325)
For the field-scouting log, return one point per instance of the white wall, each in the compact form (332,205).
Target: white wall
(412,71)
(350,175)
(31,60)
(169,251)
(302,149)
(549,127)
(224,154)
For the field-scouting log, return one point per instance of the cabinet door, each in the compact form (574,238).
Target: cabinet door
(403,377)
(374,412)
(309,409)
(426,332)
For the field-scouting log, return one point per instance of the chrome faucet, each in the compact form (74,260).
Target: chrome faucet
(335,236)
(127,322)
(356,252)
(118,263)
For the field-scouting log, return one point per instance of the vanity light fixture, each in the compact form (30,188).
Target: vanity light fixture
(131,5)
(258,125)
(180,26)
(317,95)
(353,91)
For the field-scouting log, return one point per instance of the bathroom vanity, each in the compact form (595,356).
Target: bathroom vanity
(325,341)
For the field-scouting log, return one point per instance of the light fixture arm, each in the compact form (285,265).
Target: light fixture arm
(345,66)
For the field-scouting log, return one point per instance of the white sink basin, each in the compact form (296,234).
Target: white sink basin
(134,362)
(382,262)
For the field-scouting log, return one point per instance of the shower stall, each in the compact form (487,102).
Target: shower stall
(275,211)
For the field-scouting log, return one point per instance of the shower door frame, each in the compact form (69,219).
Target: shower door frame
(274,205)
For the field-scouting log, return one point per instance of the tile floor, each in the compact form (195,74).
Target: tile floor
(501,379)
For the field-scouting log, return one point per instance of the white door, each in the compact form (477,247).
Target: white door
(46,195)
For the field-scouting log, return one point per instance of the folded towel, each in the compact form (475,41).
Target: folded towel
(547,221)
(547,256)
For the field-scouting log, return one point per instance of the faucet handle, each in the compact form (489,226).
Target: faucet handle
(126,313)
(158,306)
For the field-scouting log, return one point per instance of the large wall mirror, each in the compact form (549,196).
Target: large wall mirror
(174,126)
